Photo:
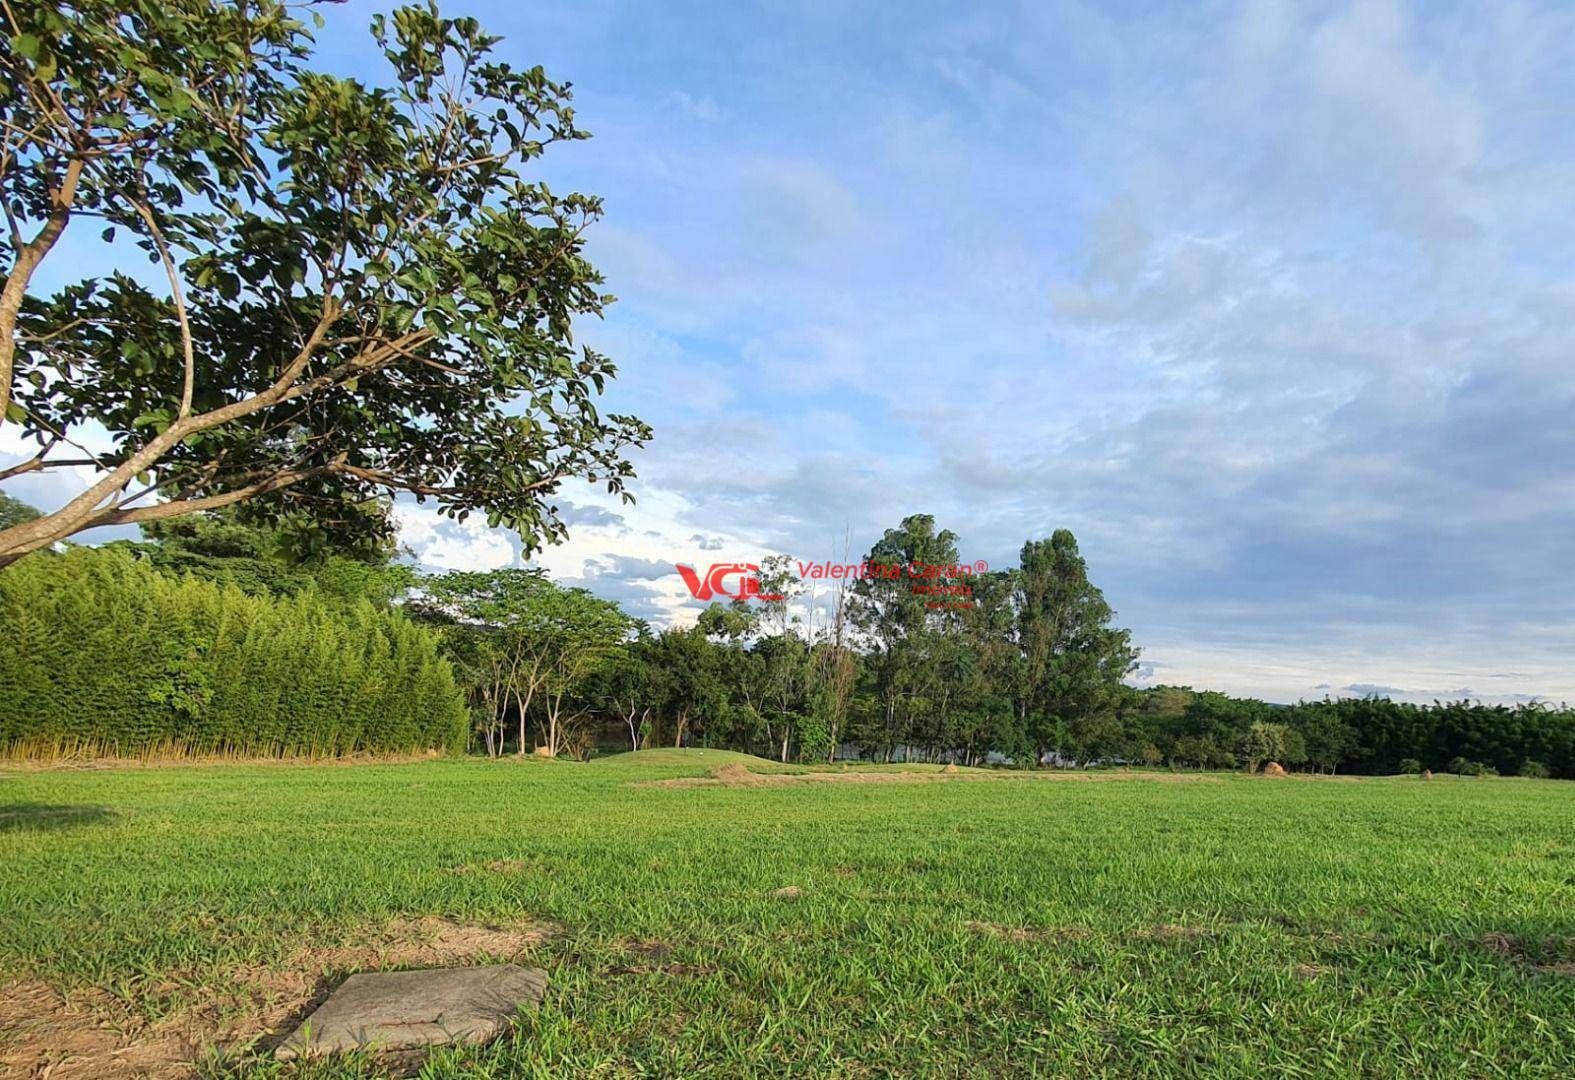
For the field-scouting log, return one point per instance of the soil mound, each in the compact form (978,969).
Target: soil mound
(1274,768)
(734,773)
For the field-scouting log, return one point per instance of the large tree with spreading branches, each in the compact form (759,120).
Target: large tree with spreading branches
(324,291)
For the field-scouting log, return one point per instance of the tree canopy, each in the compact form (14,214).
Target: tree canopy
(360,289)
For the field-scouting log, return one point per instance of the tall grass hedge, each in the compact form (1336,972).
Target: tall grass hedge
(100,653)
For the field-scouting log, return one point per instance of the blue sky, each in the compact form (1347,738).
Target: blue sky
(1272,304)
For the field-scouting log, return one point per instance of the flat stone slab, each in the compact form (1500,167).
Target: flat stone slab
(402,1010)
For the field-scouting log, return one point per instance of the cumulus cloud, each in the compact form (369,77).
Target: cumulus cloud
(441,543)
(1269,302)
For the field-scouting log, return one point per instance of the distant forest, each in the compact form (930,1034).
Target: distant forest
(216,634)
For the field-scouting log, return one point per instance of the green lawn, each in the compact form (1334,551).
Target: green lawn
(1223,926)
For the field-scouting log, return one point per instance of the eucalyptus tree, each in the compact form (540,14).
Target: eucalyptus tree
(359,290)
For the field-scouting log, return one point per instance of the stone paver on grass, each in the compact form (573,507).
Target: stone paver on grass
(402,1010)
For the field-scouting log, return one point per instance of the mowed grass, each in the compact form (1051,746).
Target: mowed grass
(1225,926)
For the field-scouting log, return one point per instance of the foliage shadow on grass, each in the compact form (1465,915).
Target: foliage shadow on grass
(44,817)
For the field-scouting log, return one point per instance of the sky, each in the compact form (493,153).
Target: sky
(1272,304)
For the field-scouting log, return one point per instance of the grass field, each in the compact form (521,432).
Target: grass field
(939,925)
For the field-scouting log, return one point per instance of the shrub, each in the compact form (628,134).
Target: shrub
(1410,766)
(1534,770)
(101,653)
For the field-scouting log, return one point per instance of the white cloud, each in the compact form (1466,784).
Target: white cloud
(441,543)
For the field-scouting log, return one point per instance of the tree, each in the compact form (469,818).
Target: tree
(226,546)
(694,679)
(785,671)
(1264,742)
(633,688)
(1074,660)
(896,621)
(14,511)
(571,631)
(1326,736)
(365,292)
(494,609)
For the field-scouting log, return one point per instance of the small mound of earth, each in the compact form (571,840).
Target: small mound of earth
(951,768)
(1274,768)
(735,773)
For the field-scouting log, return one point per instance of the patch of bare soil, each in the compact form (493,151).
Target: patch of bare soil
(1170,932)
(736,775)
(85,1038)
(1514,949)
(655,958)
(1030,933)
(496,866)
(1310,972)
(91,1035)
(788,892)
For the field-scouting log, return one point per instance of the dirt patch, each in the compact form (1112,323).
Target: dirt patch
(84,1038)
(496,866)
(1515,950)
(656,958)
(1170,932)
(1309,972)
(736,775)
(788,892)
(1030,933)
(92,1034)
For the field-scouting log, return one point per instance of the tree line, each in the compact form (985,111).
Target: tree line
(1015,667)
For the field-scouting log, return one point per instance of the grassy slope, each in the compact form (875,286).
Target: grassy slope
(1238,927)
